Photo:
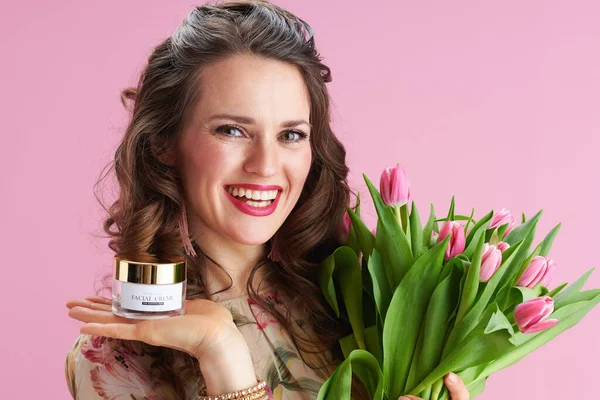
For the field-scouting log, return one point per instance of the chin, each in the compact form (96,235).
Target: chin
(252,238)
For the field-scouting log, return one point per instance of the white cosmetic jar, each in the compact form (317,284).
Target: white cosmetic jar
(143,290)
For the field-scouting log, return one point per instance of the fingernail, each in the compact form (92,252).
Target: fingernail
(452,377)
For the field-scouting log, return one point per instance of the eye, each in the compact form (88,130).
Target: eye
(223,129)
(294,136)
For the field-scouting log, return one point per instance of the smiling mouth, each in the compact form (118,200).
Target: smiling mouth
(254,198)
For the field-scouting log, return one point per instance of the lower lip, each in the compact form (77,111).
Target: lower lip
(251,210)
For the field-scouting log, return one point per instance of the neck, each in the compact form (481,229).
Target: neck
(236,260)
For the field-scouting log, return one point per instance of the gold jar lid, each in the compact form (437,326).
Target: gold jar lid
(150,273)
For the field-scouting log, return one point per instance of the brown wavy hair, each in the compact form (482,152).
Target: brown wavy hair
(143,221)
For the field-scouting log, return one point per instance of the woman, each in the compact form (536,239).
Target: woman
(229,136)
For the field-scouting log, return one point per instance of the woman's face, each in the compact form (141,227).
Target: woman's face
(250,127)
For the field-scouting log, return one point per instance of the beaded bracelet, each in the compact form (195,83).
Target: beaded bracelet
(252,393)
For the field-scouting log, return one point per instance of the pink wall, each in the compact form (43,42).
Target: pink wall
(496,104)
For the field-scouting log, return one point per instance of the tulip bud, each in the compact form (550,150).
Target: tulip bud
(345,228)
(539,271)
(502,246)
(502,217)
(490,262)
(531,316)
(394,186)
(457,241)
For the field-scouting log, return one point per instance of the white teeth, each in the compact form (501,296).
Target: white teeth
(258,203)
(252,194)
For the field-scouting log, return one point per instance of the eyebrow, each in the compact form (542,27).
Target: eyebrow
(250,121)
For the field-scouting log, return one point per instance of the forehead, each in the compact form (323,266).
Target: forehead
(265,89)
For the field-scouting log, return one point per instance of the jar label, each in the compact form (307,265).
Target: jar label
(144,297)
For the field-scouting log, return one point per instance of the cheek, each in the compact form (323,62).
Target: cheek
(301,167)
(203,160)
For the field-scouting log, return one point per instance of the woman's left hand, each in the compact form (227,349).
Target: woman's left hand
(455,385)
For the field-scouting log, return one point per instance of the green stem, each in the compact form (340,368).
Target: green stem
(426,394)
(436,389)
(398,216)
(404,217)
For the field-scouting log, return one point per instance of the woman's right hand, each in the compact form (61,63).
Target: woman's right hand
(204,325)
(206,331)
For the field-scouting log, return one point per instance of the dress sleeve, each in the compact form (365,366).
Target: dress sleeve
(102,368)
(77,372)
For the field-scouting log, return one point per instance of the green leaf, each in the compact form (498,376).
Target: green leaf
(568,316)
(471,318)
(450,216)
(348,344)
(519,294)
(521,231)
(456,218)
(325,277)
(405,317)
(350,279)
(343,265)
(557,290)
(391,242)
(364,365)
(548,240)
(478,233)
(405,223)
(469,220)
(365,238)
(471,285)
(416,232)
(373,342)
(489,340)
(484,221)
(428,227)
(566,296)
(509,278)
(381,286)
(352,240)
(429,351)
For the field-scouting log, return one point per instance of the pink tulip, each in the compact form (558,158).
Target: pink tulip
(490,262)
(345,228)
(394,186)
(502,246)
(539,271)
(531,316)
(503,217)
(457,241)
(374,231)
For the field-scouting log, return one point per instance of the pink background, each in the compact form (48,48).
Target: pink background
(494,103)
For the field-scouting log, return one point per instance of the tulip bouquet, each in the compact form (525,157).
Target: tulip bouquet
(472,297)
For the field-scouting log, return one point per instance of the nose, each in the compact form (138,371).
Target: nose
(262,158)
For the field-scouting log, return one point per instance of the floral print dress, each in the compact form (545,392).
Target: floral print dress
(105,368)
